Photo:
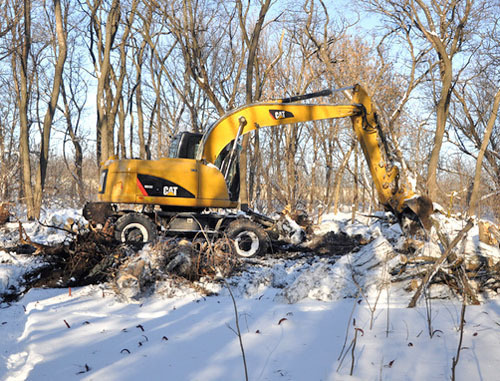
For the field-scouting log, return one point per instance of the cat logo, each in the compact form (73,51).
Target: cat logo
(280,114)
(170,191)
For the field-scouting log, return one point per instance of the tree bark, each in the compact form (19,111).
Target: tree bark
(138,100)
(446,47)
(338,179)
(442,110)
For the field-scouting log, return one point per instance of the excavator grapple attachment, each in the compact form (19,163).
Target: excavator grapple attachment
(419,208)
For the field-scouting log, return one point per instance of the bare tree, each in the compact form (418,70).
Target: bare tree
(170,93)
(21,40)
(60,52)
(486,139)
(190,22)
(474,119)
(100,47)
(10,15)
(446,28)
(251,41)
(138,63)
(74,95)
(9,120)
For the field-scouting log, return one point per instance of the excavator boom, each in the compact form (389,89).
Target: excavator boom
(261,115)
(393,193)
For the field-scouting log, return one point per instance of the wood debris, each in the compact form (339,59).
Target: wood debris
(4,213)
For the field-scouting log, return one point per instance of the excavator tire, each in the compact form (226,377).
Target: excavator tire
(135,227)
(248,238)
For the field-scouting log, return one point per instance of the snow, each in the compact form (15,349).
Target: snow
(13,266)
(297,316)
(192,338)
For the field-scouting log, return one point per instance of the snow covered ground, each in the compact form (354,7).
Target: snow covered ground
(296,316)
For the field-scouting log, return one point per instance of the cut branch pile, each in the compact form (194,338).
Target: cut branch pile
(89,258)
(456,268)
(93,257)
(178,260)
(465,274)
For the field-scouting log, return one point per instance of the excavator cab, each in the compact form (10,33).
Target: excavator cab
(185,145)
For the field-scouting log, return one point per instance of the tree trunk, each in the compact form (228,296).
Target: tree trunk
(442,115)
(313,192)
(78,176)
(104,147)
(251,62)
(480,156)
(355,196)
(138,101)
(446,45)
(252,177)
(291,165)
(49,114)
(23,98)
(338,180)
(122,146)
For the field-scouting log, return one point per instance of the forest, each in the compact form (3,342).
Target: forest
(83,80)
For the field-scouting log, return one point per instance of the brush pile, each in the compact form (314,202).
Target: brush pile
(339,259)
(465,262)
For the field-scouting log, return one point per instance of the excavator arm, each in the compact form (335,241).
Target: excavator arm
(252,117)
(394,194)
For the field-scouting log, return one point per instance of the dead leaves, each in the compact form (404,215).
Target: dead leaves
(282,320)
(390,364)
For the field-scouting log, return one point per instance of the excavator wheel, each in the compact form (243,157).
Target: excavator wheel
(248,238)
(135,227)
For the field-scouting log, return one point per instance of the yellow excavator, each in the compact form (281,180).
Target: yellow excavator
(181,193)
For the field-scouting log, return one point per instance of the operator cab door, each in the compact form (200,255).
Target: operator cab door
(212,187)
(185,145)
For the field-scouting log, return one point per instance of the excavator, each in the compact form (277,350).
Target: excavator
(196,188)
